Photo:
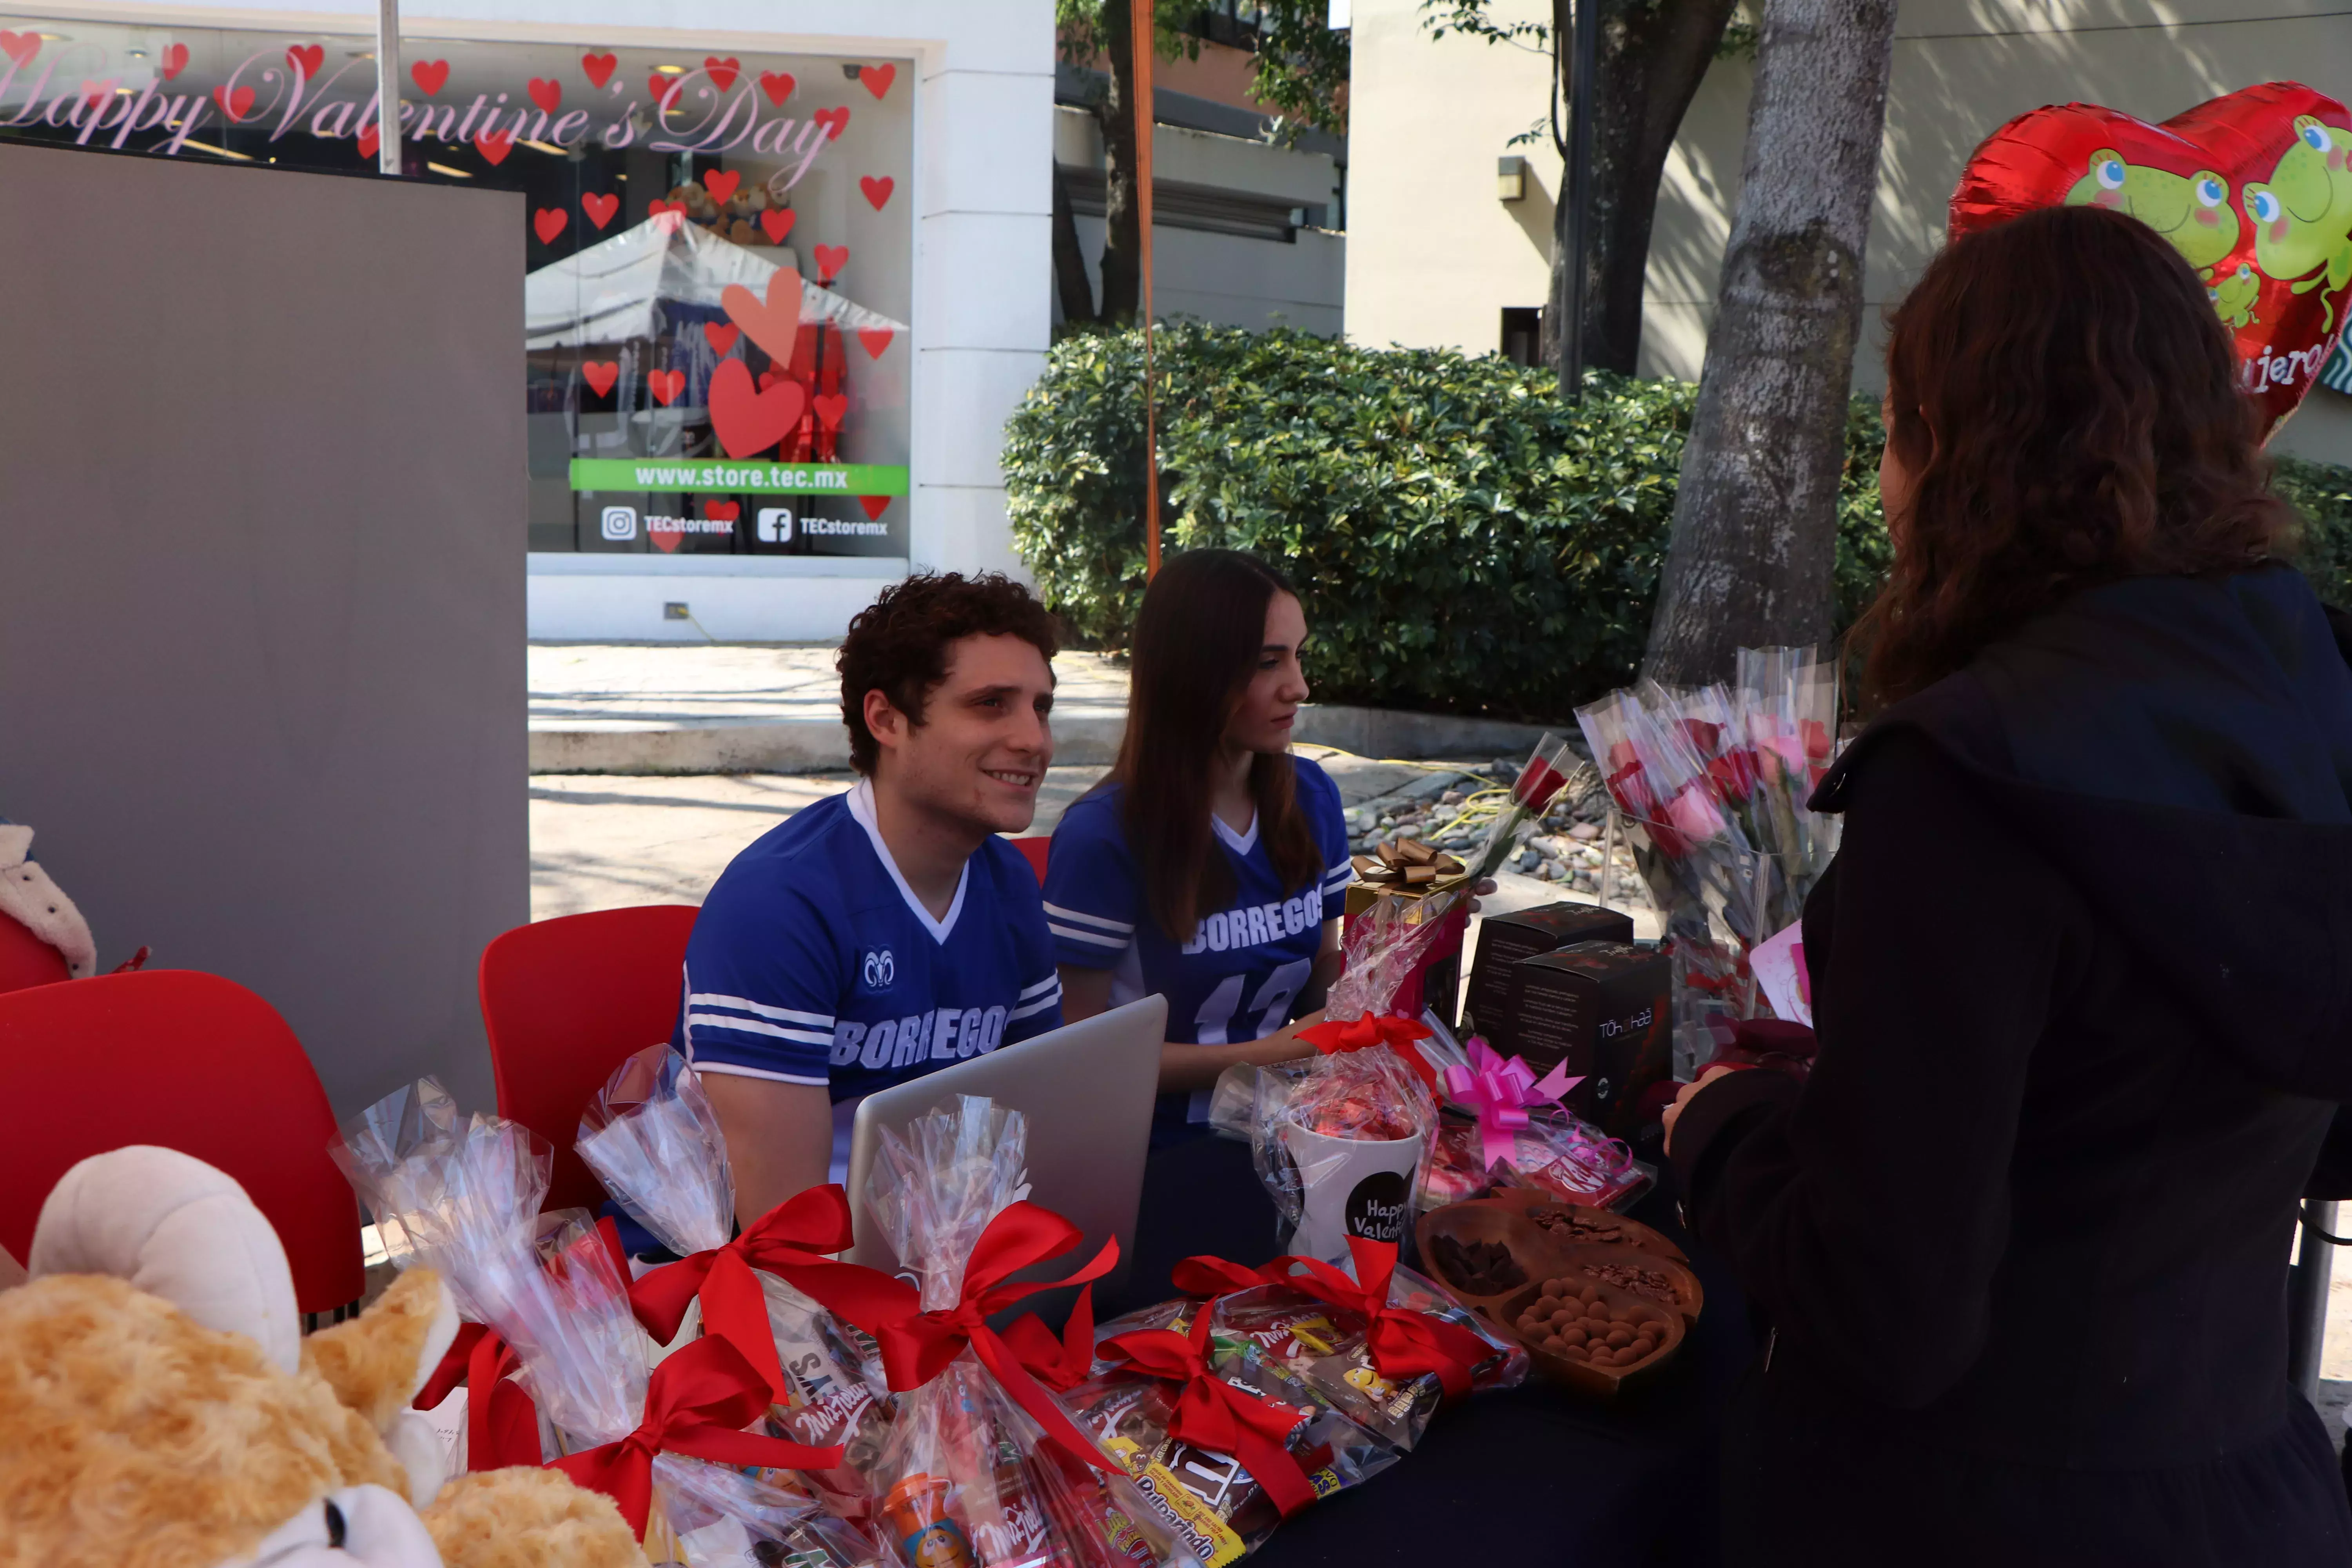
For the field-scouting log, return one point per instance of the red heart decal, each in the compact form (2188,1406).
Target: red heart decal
(658,206)
(430,75)
(877,79)
(549,221)
(495,145)
(545,94)
(94,93)
(874,507)
(778,222)
(667,383)
(720,335)
(664,88)
(830,259)
(769,378)
(877,191)
(22,46)
(600,206)
(722,72)
(2254,189)
(174,61)
(371,140)
(775,325)
(665,532)
(876,339)
(834,120)
(778,86)
(830,409)
(599,67)
(722,183)
(748,420)
(722,511)
(306,58)
(601,374)
(236,105)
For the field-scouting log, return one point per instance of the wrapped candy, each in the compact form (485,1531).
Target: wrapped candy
(724,1519)
(1339,1140)
(984,1466)
(1503,1126)
(1384,1354)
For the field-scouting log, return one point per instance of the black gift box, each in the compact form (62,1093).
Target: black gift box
(1601,1008)
(1505,940)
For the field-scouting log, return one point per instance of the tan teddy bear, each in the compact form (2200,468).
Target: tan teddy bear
(162,1410)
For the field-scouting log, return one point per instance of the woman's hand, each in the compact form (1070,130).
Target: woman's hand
(1676,1109)
(1480,891)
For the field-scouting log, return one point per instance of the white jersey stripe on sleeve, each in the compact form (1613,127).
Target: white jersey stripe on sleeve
(1058,912)
(1039,1005)
(1074,935)
(759,1009)
(1046,984)
(725,1025)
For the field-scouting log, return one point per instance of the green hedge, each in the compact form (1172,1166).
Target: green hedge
(1463,540)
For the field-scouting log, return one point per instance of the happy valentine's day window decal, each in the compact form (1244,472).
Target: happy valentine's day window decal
(718,248)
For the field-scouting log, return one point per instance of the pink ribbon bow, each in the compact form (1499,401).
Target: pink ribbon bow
(1499,1091)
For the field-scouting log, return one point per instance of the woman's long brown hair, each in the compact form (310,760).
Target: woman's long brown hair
(2067,403)
(1197,640)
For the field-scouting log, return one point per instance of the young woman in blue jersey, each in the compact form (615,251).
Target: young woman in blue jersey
(1212,865)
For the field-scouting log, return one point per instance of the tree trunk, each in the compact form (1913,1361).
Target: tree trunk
(1651,59)
(1076,294)
(1122,263)
(1755,530)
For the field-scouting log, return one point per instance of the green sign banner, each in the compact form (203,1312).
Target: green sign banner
(633,474)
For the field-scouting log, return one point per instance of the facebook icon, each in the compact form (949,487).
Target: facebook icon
(775,525)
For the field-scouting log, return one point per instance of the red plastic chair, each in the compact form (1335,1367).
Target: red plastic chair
(192,1062)
(26,959)
(564,1002)
(1036,848)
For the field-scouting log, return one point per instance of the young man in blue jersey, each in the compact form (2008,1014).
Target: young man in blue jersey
(887,932)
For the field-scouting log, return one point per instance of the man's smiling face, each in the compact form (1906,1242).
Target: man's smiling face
(984,741)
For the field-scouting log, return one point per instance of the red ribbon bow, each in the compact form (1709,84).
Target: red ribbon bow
(697,1403)
(1209,1278)
(1334,1037)
(917,1346)
(501,1422)
(1214,1416)
(1060,1364)
(1404,1343)
(793,1235)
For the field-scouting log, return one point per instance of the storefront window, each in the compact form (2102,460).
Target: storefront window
(717,249)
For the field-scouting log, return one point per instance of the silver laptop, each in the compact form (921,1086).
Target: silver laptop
(1087,1090)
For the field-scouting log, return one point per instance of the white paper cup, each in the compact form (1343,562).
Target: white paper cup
(1351,1186)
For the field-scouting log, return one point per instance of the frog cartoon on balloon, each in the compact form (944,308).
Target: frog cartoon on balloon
(2303,215)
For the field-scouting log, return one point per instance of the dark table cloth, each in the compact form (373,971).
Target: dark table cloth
(1531,1477)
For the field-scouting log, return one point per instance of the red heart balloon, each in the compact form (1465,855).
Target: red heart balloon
(778,222)
(545,94)
(721,182)
(2254,189)
(722,511)
(748,420)
(430,75)
(830,259)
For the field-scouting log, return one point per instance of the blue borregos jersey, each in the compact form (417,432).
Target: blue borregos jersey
(1239,975)
(813,962)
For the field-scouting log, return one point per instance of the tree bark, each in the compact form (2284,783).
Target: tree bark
(1122,255)
(1076,294)
(1652,55)
(1755,530)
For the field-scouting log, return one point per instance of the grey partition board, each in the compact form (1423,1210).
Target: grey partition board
(261,585)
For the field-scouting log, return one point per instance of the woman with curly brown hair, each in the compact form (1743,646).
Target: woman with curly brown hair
(2079,972)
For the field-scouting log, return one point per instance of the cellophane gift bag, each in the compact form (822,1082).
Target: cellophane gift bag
(975,1475)
(1224,1448)
(1339,1140)
(1385,1353)
(652,1138)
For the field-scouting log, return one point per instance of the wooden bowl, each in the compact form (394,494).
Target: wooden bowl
(1605,1382)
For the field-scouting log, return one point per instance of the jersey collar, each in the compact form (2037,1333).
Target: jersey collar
(861,806)
(1240,843)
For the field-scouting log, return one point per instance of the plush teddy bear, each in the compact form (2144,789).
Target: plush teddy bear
(164,1411)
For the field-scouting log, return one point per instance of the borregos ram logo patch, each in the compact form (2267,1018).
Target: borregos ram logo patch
(877,971)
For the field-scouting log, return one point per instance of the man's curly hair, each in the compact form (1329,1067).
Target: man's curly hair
(899,643)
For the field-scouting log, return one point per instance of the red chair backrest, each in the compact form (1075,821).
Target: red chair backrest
(189,1061)
(1034,849)
(26,959)
(564,1000)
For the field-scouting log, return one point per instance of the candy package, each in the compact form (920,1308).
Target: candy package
(837,1395)
(1385,1353)
(1338,1140)
(972,1479)
(724,1518)
(1556,1150)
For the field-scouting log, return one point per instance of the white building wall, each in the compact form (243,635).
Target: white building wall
(982,190)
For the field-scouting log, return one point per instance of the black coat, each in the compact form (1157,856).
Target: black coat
(2083,979)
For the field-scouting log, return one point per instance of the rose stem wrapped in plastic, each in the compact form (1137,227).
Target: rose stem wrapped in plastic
(988,1470)
(1385,1353)
(652,1139)
(1224,1450)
